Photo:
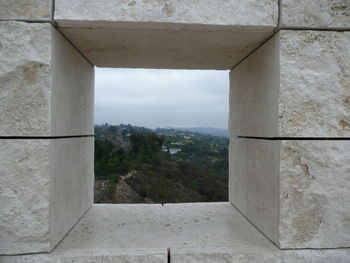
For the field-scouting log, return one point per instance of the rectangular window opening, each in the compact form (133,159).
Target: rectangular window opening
(161,136)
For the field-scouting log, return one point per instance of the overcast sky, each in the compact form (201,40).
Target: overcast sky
(162,98)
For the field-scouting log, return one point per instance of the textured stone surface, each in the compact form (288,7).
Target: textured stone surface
(46,186)
(295,192)
(94,256)
(147,228)
(199,34)
(25,9)
(211,255)
(157,226)
(259,255)
(202,232)
(316,13)
(206,12)
(315,84)
(303,91)
(25,51)
(315,196)
(24,196)
(46,86)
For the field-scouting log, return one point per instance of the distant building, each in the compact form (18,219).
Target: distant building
(174,150)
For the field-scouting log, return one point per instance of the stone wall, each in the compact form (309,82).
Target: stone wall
(289,80)
(46,91)
(289,171)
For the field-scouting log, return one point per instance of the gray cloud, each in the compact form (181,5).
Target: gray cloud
(162,98)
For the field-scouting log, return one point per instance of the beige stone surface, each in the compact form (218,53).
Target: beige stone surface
(316,13)
(259,255)
(197,12)
(263,186)
(200,34)
(45,187)
(314,194)
(24,196)
(155,226)
(238,179)
(71,183)
(301,91)
(197,232)
(25,51)
(254,182)
(46,86)
(183,48)
(295,192)
(254,90)
(315,84)
(35,10)
(94,256)
(150,229)
(72,88)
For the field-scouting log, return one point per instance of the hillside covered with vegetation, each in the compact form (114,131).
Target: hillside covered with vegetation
(159,166)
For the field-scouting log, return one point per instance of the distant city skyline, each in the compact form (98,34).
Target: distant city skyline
(162,98)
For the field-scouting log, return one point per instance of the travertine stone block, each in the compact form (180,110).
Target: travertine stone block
(197,232)
(198,12)
(40,93)
(258,254)
(295,85)
(46,89)
(158,255)
(316,13)
(254,86)
(314,194)
(253,182)
(25,78)
(184,48)
(72,85)
(172,34)
(46,186)
(71,183)
(297,191)
(262,185)
(24,196)
(308,72)
(314,97)
(238,166)
(34,10)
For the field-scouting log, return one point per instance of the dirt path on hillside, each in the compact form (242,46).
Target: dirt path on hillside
(121,194)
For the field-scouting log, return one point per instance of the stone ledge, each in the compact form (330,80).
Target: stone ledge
(260,255)
(201,232)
